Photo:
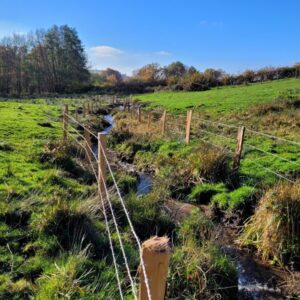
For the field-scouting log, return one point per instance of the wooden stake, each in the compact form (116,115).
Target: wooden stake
(149,120)
(65,122)
(156,257)
(88,145)
(102,168)
(83,110)
(188,126)
(163,128)
(239,148)
(139,114)
(76,114)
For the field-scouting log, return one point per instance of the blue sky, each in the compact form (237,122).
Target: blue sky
(126,34)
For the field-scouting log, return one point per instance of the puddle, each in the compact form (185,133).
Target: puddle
(144,184)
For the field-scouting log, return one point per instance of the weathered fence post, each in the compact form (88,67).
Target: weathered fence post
(163,128)
(139,114)
(65,122)
(101,162)
(76,114)
(239,148)
(149,120)
(88,145)
(188,126)
(156,257)
(83,110)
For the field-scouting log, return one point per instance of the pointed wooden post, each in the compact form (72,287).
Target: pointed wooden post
(156,258)
(188,126)
(163,128)
(65,122)
(239,148)
(88,145)
(102,168)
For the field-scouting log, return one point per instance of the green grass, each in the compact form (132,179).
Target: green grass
(223,100)
(20,170)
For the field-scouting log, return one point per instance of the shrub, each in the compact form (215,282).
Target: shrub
(274,229)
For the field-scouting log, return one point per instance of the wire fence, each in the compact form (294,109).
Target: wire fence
(105,195)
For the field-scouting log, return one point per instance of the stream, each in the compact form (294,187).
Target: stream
(253,280)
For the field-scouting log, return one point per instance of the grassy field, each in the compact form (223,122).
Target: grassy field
(223,100)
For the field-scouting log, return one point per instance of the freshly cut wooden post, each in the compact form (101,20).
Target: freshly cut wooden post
(65,122)
(239,148)
(163,128)
(156,257)
(139,114)
(188,126)
(88,145)
(102,162)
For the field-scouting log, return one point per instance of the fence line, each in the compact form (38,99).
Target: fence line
(176,127)
(100,176)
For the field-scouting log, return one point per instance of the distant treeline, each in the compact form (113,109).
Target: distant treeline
(51,61)
(54,61)
(177,76)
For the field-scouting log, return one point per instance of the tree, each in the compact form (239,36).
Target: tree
(150,72)
(110,76)
(176,69)
(249,76)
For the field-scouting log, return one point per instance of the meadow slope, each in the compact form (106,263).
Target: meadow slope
(223,100)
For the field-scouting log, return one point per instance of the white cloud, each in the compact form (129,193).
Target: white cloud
(103,56)
(105,51)
(162,53)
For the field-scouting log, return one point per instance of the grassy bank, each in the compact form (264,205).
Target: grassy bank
(223,100)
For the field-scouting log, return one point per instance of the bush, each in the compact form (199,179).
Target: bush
(274,229)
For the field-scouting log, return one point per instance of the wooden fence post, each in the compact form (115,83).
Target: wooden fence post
(139,114)
(149,120)
(163,128)
(102,162)
(83,110)
(156,257)
(88,145)
(76,114)
(239,148)
(188,126)
(65,122)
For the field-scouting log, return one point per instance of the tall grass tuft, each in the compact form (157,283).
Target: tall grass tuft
(274,229)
